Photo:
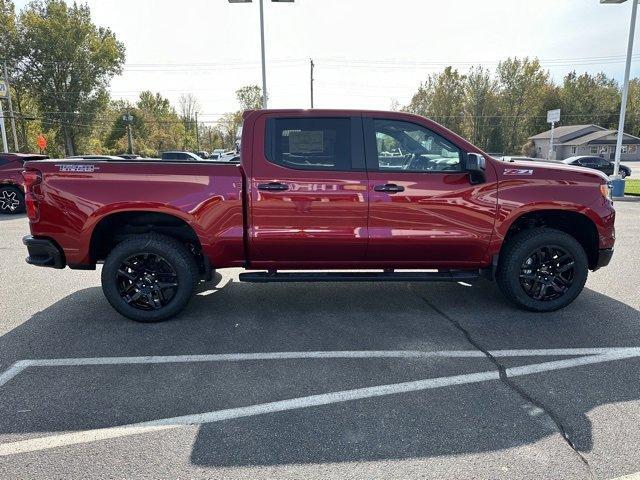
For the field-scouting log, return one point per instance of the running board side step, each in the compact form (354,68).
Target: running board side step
(387,276)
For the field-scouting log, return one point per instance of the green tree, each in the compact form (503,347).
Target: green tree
(165,130)
(67,63)
(249,97)
(522,84)
(480,108)
(590,99)
(441,97)
(155,104)
(632,119)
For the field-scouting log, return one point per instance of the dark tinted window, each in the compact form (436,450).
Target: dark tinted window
(310,143)
(408,147)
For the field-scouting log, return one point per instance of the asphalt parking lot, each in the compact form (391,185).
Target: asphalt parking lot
(319,381)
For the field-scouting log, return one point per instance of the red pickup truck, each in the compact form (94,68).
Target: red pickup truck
(374,193)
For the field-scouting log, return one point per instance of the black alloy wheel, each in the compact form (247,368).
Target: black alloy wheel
(149,277)
(542,269)
(547,273)
(11,200)
(146,281)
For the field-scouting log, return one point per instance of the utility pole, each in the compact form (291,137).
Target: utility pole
(128,119)
(5,147)
(11,116)
(311,65)
(197,134)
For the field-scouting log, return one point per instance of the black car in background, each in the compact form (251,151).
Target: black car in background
(597,163)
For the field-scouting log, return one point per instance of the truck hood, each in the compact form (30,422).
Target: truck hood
(521,168)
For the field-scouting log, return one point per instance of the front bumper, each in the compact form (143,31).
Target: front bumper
(604,257)
(43,252)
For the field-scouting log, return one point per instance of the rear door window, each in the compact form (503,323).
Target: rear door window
(310,143)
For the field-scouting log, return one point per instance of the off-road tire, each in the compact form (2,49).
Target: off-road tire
(517,251)
(173,252)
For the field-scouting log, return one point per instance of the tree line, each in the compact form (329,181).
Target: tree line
(61,65)
(500,110)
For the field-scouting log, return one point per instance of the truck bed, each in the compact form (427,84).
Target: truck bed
(75,195)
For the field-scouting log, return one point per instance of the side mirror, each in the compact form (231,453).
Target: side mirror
(476,165)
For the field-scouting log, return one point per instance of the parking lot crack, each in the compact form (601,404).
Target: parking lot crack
(509,383)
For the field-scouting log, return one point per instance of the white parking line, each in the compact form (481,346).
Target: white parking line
(633,476)
(87,436)
(21,365)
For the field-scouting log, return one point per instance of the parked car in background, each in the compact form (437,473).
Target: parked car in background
(129,156)
(315,193)
(181,156)
(11,190)
(217,154)
(597,163)
(230,156)
(202,154)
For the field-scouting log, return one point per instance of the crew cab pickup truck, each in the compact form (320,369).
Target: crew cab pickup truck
(380,196)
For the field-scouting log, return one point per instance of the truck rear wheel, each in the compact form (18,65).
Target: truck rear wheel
(542,269)
(149,278)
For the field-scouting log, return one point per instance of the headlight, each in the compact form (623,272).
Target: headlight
(605,190)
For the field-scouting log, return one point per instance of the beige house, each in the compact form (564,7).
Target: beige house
(574,140)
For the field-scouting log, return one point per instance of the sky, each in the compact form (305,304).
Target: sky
(367,53)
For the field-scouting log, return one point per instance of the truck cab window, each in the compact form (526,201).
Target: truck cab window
(310,143)
(408,147)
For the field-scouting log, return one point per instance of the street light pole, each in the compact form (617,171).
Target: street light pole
(262,47)
(264,63)
(625,88)
(619,189)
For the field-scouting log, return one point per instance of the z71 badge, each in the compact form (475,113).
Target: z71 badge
(518,171)
(77,168)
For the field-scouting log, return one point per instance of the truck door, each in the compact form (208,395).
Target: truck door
(423,209)
(308,191)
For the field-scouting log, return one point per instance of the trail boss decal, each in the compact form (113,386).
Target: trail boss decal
(517,171)
(77,168)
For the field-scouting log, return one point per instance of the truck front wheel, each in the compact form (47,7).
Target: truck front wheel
(149,278)
(542,269)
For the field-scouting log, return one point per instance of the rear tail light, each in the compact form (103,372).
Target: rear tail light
(32,178)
